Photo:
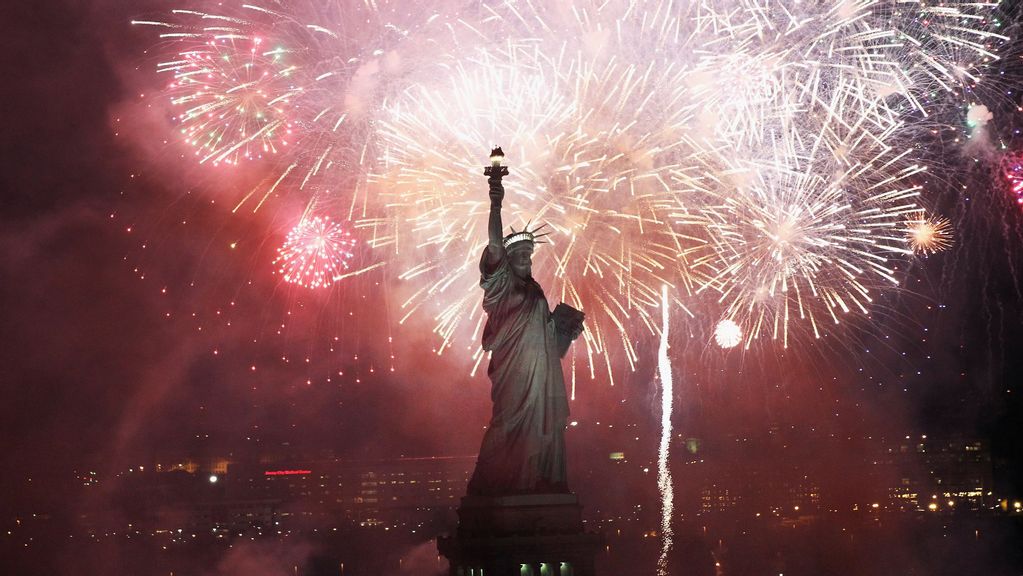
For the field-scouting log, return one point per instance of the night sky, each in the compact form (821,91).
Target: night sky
(133,331)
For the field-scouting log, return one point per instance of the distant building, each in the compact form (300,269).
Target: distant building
(941,474)
(780,491)
(242,497)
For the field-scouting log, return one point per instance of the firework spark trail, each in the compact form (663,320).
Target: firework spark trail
(664,484)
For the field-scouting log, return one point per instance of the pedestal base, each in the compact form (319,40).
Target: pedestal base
(522,535)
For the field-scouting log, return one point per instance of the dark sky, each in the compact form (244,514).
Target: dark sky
(132,331)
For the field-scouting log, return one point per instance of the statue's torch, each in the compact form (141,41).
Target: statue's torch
(496,170)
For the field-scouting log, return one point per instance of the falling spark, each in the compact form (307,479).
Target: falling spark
(663,471)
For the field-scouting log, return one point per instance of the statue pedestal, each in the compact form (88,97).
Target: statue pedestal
(521,535)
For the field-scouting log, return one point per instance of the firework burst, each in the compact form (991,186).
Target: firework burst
(727,334)
(315,254)
(234,94)
(298,82)
(758,151)
(768,160)
(806,231)
(928,234)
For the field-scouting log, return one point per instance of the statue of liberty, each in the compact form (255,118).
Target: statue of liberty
(523,450)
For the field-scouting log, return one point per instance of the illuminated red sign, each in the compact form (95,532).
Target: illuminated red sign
(287,472)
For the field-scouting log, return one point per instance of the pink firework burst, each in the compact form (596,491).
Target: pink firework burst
(315,254)
(234,92)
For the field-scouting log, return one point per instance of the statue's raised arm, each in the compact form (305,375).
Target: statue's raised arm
(495,248)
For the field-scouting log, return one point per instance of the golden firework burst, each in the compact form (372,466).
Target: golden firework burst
(928,234)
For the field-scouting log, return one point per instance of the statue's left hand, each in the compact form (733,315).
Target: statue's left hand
(576,330)
(565,339)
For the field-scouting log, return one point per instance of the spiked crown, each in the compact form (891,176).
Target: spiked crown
(525,235)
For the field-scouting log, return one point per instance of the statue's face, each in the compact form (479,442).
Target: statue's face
(521,261)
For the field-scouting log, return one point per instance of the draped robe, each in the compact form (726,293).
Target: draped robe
(523,449)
